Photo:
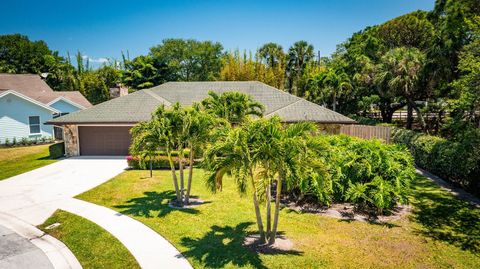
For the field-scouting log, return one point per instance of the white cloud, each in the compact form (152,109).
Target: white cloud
(100,60)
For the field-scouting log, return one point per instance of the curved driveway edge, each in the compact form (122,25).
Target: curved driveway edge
(149,248)
(34,196)
(57,253)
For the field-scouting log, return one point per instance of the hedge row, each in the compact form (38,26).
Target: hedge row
(57,150)
(457,161)
(158,162)
(368,173)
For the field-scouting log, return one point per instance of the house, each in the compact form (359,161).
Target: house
(104,128)
(27,102)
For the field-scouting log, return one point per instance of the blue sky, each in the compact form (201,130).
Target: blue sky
(104,28)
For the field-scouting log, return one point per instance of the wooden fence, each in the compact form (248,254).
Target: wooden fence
(367,132)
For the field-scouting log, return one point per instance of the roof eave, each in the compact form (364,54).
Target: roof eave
(322,122)
(90,122)
(61,98)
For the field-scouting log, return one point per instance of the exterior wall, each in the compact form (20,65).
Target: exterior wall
(64,107)
(332,128)
(14,113)
(70,134)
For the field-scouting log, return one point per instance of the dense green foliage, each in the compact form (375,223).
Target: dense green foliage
(457,161)
(234,107)
(365,172)
(260,153)
(57,150)
(19,55)
(175,60)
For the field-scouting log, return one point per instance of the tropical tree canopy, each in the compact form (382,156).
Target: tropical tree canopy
(232,106)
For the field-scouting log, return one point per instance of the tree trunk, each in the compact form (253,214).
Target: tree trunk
(182,174)
(174,177)
(151,168)
(271,240)
(409,115)
(258,214)
(190,175)
(268,195)
(386,115)
(420,117)
(334,105)
(387,109)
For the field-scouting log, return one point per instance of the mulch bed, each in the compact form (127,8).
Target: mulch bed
(349,212)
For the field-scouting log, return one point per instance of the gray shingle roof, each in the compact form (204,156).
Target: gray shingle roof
(138,106)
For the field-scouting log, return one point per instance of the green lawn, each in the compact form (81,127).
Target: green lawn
(441,232)
(93,246)
(17,160)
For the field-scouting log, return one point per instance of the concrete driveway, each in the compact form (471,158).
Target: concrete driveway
(29,199)
(35,195)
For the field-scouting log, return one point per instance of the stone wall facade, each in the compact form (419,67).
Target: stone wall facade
(70,136)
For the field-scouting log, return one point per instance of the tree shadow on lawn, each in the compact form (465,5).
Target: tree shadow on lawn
(223,245)
(444,217)
(152,202)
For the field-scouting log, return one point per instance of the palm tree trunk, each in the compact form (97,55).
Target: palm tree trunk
(269,215)
(174,177)
(258,214)
(151,168)
(190,175)
(182,174)
(334,105)
(271,240)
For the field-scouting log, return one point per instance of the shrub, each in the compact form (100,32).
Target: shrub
(457,160)
(159,162)
(57,150)
(366,172)
(24,141)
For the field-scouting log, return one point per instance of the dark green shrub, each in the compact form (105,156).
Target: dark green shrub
(366,172)
(457,161)
(57,150)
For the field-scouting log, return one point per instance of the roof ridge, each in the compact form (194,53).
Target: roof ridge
(158,97)
(283,107)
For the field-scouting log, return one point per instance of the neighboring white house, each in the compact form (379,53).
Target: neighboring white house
(27,102)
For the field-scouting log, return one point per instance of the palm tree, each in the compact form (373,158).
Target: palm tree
(335,82)
(264,153)
(290,162)
(298,56)
(271,54)
(168,126)
(145,142)
(174,130)
(400,69)
(197,131)
(233,153)
(232,106)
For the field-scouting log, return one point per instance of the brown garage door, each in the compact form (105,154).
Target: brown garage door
(104,140)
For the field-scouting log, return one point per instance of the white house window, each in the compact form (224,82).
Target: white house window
(34,123)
